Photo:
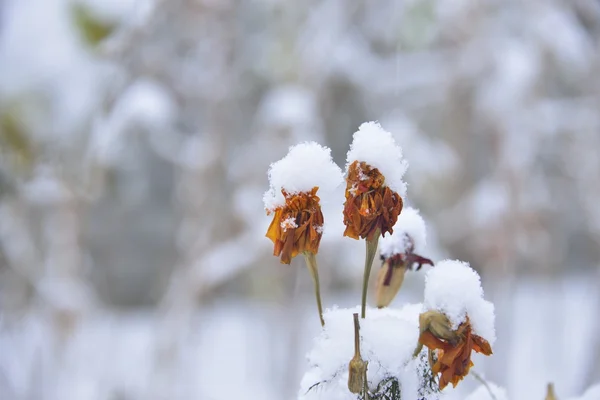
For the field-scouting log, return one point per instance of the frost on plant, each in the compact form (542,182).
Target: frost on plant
(412,352)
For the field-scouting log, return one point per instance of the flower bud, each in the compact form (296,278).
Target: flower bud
(357,369)
(389,281)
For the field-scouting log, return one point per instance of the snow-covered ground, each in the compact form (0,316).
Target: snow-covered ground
(256,350)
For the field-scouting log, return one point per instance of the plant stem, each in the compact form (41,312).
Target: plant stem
(484,383)
(311,263)
(370,255)
(356,336)
(365,387)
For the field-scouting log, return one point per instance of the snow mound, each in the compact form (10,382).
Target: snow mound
(388,339)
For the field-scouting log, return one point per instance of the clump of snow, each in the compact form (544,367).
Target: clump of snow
(375,146)
(307,165)
(454,288)
(388,340)
(409,224)
(483,393)
(288,223)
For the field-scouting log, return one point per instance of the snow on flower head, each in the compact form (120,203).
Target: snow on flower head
(374,186)
(297,225)
(408,230)
(453,288)
(375,146)
(307,165)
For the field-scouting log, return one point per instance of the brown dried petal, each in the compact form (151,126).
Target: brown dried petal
(305,212)
(369,203)
(454,347)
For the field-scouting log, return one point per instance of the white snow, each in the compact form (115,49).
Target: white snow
(388,340)
(375,146)
(593,393)
(288,223)
(409,223)
(305,166)
(483,393)
(454,288)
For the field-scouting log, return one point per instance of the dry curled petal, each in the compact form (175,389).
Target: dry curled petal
(453,347)
(370,205)
(297,226)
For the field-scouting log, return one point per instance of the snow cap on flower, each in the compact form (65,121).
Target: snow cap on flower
(297,225)
(453,288)
(375,146)
(409,224)
(307,165)
(374,186)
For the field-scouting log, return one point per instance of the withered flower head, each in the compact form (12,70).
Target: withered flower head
(297,226)
(297,223)
(453,347)
(374,185)
(370,205)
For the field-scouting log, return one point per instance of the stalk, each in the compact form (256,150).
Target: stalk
(311,264)
(370,255)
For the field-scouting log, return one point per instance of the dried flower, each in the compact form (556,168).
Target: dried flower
(370,204)
(297,226)
(453,346)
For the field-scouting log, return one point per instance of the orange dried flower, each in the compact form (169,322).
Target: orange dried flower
(453,347)
(370,204)
(297,226)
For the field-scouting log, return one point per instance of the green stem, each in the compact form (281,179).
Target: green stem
(311,263)
(370,255)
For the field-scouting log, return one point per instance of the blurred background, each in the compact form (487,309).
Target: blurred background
(135,137)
